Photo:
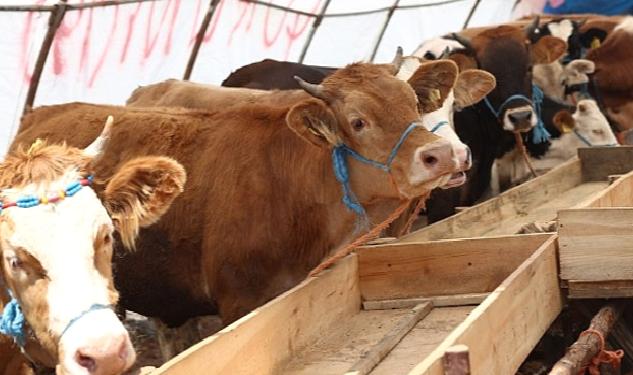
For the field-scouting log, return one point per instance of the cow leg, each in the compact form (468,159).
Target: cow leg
(172,341)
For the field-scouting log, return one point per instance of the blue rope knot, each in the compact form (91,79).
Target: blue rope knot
(28,201)
(12,321)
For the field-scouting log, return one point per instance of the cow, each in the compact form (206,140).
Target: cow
(56,226)
(488,127)
(270,74)
(471,86)
(271,190)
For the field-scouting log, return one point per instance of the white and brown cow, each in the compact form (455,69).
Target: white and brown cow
(56,237)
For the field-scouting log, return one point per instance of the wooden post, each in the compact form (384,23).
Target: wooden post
(580,354)
(472,12)
(204,25)
(384,28)
(456,361)
(56,18)
(315,26)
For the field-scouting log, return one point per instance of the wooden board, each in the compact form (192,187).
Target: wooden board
(269,337)
(409,270)
(422,340)
(600,289)
(618,194)
(600,162)
(596,244)
(519,201)
(502,331)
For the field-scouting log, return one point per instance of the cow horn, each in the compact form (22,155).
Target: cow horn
(96,147)
(315,90)
(533,26)
(397,60)
(462,40)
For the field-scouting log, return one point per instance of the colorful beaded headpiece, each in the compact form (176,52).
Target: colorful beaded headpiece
(32,200)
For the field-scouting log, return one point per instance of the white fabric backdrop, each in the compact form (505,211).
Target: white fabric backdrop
(100,55)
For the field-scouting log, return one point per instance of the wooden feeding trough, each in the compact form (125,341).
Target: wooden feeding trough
(465,289)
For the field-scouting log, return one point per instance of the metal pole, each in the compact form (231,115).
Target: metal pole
(470,15)
(199,37)
(315,26)
(384,28)
(56,18)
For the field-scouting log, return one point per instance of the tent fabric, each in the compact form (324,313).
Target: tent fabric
(606,7)
(102,54)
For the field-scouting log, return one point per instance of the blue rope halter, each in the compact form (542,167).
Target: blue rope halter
(539,133)
(586,141)
(341,169)
(12,321)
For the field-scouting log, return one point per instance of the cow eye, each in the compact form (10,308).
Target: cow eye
(358,124)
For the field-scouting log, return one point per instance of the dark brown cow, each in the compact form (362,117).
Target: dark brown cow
(272,74)
(251,222)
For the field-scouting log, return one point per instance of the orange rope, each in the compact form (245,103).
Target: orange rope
(612,357)
(372,234)
(526,158)
(414,215)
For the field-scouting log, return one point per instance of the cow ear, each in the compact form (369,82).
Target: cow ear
(140,192)
(548,49)
(564,121)
(313,121)
(581,66)
(592,37)
(472,86)
(432,82)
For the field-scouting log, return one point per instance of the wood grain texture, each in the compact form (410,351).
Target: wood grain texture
(596,244)
(263,341)
(503,330)
(437,301)
(516,202)
(600,162)
(410,270)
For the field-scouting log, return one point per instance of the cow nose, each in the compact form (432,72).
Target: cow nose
(108,359)
(520,117)
(437,158)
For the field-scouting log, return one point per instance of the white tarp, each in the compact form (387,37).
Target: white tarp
(101,54)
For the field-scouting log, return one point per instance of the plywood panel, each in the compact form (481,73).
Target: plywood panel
(600,162)
(263,341)
(502,331)
(409,270)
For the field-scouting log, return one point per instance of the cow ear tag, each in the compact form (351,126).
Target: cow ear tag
(566,128)
(435,95)
(595,42)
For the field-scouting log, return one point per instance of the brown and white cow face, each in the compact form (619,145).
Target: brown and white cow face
(367,108)
(56,257)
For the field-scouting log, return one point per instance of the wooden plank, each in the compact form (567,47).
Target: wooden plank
(600,162)
(600,289)
(422,340)
(618,194)
(503,330)
(437,301)
(261,342)
(596,244)
(373,356)
(410,270)
(477,220)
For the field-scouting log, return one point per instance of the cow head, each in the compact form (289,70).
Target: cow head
(472,85)
(56,246)
(557,79)
(366,108)
(588,127)
(508,54)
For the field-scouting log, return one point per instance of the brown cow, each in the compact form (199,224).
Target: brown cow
(263,205)
(56,249)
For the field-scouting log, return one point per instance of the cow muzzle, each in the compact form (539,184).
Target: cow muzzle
(521,119)
(96,344)
(433,161)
